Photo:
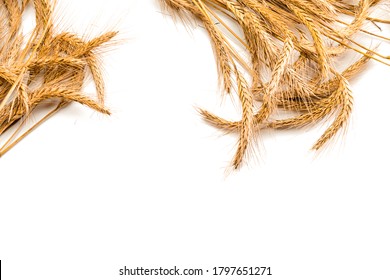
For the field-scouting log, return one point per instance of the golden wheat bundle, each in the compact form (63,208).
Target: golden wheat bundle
(292,47)
(47,65)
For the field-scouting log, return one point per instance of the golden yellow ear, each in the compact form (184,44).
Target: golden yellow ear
(293,47)
(50,65)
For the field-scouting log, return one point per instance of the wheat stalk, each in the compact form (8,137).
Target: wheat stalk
(298,42)
(51,65)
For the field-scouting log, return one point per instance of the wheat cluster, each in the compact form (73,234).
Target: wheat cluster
(290,75)
(45,65)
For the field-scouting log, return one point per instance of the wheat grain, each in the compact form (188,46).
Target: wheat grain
(293,46)
(48,66)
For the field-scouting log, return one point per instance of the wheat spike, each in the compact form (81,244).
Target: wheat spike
(293,47)
(51,65)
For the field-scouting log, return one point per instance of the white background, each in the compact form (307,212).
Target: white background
(85,194)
